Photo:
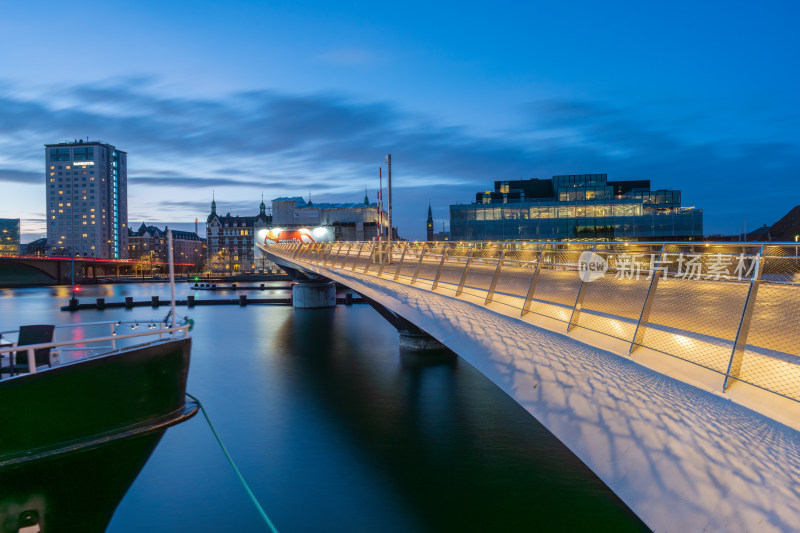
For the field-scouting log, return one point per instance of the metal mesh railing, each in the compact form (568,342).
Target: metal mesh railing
(728,307)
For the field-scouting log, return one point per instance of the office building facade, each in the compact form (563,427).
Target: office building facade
(346,221)
(575,207)
(9,237)
(87,199)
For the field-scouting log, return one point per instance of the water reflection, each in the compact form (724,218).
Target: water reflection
(459,464)
(73,491)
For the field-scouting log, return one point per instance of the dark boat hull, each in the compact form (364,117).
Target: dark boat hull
(73,491)
(92,400)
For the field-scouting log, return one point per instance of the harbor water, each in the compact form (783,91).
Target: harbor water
(334,429)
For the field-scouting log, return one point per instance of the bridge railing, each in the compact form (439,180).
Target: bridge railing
(731,308)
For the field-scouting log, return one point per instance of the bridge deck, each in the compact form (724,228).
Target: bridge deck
(684,458)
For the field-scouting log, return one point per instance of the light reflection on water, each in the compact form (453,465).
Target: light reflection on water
(335,431)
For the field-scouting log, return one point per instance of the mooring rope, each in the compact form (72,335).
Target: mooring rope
(235,468)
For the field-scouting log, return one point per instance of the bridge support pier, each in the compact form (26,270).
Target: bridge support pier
(313,294)
(418,341)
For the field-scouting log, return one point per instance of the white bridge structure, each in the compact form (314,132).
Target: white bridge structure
(671,369)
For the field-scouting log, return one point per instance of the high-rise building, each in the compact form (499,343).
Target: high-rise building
(87,199)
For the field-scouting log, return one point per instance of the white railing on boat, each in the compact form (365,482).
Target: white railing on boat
(154,327)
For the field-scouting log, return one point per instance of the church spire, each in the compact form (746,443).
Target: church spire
(366,198)
(429,226)
(262,209)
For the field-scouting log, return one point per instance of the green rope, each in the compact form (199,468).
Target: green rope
(235,468)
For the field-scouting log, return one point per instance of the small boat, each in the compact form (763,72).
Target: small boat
(89,389)
(76,396)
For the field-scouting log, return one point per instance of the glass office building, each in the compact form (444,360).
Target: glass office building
(9,237)
(575,207)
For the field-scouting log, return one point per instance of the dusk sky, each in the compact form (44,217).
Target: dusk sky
(285,98)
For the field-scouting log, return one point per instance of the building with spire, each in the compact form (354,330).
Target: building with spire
(231,240)
(429,226)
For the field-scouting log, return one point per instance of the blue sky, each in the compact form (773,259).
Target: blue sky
(283,98)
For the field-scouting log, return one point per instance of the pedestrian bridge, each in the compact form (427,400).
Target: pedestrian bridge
(671,369)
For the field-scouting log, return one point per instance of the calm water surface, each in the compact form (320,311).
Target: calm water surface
(335,431)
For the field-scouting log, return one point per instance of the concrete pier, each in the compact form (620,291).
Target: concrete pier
(313,294)
(419,342)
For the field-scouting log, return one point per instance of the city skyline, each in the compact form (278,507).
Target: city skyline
(285,100)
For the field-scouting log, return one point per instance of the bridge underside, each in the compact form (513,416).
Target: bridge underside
(683,457)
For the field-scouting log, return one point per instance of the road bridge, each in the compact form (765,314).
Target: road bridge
(670,369)
(49,270)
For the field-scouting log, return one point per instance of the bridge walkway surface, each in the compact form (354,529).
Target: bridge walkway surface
(658,430)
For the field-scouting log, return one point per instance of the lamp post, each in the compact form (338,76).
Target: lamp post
(73,302)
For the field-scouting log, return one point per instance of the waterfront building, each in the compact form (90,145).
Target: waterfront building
(9,237)
(187,246)
(37,248)
(231,240)
(87,199)
(346,221)
(787,228)
(575,207)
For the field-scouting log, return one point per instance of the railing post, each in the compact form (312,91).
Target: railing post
(490,293)
(526,307)
(576,309)
(416,270)
(346,255)
(320,252)
(113,341)
(439,271)
(737,354)
(358,256)
(644,316)
(400,264)
(383,248)
(328,254)
(31,361)
(370,256)
(460,288)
